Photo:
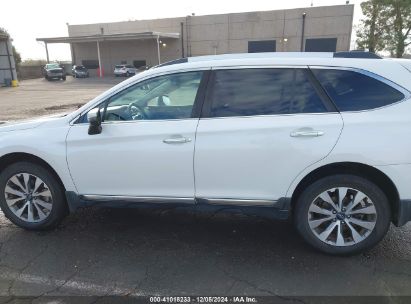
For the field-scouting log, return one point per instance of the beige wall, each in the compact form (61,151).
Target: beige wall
(217,34)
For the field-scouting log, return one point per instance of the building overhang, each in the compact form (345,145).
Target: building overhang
(111,37)
(4,37)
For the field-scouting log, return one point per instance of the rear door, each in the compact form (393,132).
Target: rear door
(259,129)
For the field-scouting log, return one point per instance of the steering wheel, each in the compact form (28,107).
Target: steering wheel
(136,112)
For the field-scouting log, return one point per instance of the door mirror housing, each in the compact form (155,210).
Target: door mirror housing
(94,119)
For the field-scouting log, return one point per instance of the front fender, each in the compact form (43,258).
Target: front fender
(48,144)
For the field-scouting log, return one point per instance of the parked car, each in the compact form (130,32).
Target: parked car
(53,71)
(320,139)
(126,70)
(80,71)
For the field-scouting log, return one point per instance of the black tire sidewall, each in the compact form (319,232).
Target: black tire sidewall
(370,189)
(59,209)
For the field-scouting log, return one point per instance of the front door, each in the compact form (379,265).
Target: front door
(146,147)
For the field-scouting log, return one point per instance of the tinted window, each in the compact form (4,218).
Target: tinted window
(139,63)
(90,64)
(261,46)
(353,91)
(321,45)
(263,92)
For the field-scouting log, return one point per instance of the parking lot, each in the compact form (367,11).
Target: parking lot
(37,97)
(174,251)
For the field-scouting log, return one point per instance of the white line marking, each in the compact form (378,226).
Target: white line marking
(95,289)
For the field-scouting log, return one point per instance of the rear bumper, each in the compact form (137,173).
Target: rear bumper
(403,214)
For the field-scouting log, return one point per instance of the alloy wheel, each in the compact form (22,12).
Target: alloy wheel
(28,197)
(342,216)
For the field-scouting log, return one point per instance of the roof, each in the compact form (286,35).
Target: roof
(111,37)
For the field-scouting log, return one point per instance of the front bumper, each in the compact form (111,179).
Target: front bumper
(403,214)
(57,75)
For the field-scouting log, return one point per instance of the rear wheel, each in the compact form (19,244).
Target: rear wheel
(31,197)
(342,214)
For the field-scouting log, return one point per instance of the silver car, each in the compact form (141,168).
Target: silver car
(126,70)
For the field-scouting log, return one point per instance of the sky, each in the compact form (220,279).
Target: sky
(49,18)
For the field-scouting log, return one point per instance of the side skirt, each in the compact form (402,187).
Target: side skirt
(278,209)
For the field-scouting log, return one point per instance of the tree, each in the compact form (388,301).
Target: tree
(398,37)
(371,32)
(16,54)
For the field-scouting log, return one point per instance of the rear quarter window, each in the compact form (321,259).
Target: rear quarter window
(354,91)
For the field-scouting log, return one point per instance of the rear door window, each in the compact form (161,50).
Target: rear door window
(354,91)
(247,92)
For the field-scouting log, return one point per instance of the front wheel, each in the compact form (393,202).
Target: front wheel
(342,214)
(31,197)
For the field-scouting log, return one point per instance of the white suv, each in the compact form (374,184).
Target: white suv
(126,70)
(322,139)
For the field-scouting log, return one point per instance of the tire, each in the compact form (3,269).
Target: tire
(63,78)
(350,241)
(127,74)
(47,78)
(59,207)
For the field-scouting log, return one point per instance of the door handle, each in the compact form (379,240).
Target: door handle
(307,133)
(177,140)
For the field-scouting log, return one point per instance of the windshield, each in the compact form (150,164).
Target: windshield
(119,66)
(80,68)
(53,66)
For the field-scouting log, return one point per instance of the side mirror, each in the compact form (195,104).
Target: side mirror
(94,118)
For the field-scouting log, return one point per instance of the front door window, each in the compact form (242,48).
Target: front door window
(163,97)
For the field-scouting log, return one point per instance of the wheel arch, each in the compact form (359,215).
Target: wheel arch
(11,158)
(366,171)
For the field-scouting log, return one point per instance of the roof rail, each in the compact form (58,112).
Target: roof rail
(356,54)
(350,54)
(176,61)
